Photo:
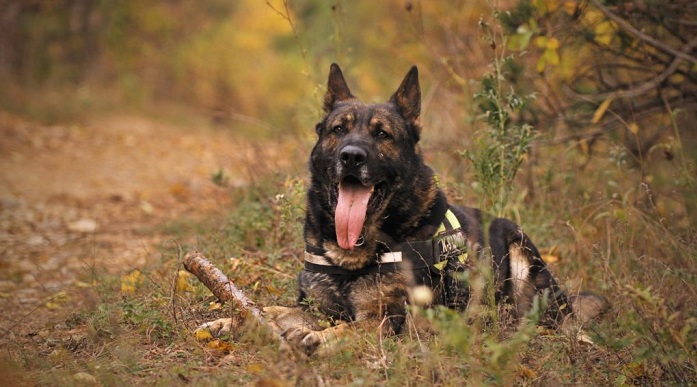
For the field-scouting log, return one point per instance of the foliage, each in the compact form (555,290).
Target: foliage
(139,53)
(635,57)
(503,144)
(618,70)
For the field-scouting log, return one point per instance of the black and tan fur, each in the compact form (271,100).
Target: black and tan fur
(376,145)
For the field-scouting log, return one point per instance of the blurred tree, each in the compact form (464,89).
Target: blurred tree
(44,39)
(618,67)
(221,56)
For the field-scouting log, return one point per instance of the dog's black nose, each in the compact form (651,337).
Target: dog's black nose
(352,156)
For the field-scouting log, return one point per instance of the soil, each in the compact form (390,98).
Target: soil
(80,198)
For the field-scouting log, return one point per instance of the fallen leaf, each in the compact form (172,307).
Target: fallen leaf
(600,111)
(550,255)
(203,334)
(273,290)
(550,258)
(220,345)
(634,128)
(183,284)
(255,368)
(57,300)
(130,282)
(526,372)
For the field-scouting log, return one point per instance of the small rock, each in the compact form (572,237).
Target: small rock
(83,225)
(36,240)
(147,207)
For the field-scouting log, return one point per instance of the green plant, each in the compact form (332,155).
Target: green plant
(504,143)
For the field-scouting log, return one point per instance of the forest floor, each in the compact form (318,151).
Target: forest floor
(87,198)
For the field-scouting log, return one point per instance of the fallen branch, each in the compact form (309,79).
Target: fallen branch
(219,284)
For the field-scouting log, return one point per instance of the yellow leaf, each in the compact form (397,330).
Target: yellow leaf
(550,258)
(600,111)
(215,305)
(57,300)
(130,282)
(526,372)
(553,43)
(541,64)
(604,32)
(551,56)
(634,128)
(273,290)
(546,6)
(183,282)
(220,345)
(203,334)
(255,368)
(584,147)
(570,7)
(550,255)
(541,41)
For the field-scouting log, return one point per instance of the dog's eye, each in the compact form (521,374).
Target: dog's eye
(338,129)
(381,134)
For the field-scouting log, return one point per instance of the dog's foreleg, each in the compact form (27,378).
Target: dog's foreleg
(320,342)
(276,318)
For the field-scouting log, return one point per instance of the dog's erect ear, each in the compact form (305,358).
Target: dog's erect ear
(337,89)
(407,98)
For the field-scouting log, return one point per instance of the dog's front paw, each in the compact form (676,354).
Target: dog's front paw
(218,328)
(303,339)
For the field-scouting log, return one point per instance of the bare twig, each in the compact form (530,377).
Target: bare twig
(173,290)
(285,14)
(649,85)
(642,36)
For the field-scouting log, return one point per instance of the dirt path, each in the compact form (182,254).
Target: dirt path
(79,198)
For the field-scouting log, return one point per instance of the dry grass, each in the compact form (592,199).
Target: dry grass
(640,264)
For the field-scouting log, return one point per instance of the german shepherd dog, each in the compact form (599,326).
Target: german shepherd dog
(378,226)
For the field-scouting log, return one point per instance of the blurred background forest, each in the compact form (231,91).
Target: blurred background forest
(611,77)
(609,87)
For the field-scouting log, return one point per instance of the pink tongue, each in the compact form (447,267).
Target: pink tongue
(350,213)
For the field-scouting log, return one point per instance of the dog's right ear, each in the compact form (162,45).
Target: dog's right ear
(337,89)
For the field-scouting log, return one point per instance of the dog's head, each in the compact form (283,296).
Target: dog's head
(366,154)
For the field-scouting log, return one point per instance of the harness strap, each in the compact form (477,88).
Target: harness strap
(448,239)
(389,262)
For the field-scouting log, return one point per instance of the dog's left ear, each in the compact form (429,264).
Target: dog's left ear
(407,98)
